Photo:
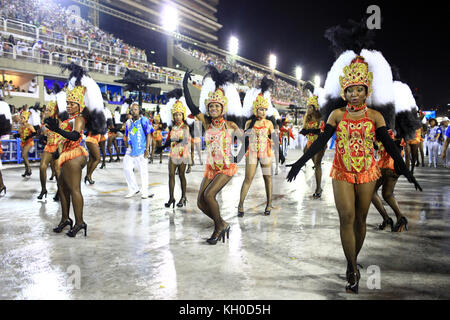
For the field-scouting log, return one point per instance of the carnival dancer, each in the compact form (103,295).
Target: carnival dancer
(412,150)
(157,138)
(433,142)
(5,128)
(218,97)
(259,128)
(355,172)
(312,126)
(285,137)
(26,134)
(388,180)
(73,158)
(138,137)
(56,105)
(179,140)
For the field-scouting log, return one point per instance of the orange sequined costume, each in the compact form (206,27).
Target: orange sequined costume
(418,139)
(179,153)
(53,140)
(384,159)
(218,145)
(286,132)
(71,149)
(311,136)
(156,135)
(260,145)
(354,160)
(25,132)
(95,139)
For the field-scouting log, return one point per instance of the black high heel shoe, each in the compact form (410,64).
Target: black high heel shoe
(317,195)
(221,235)
(103,165)
(240,212)
(42,195)
(352,284)
(188,169)
(3,190)
(267,212)
(61,226)
(181,203)
(88,180)
(385,223)
(51,178)
(171,201)
(401,225)
(56,197)
(110,160)
(117,160)
(73,232)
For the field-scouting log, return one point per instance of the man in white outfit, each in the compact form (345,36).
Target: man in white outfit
(138,133)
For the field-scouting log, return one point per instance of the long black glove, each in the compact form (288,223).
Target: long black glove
(43,140)
(317,146)
(308,131)
(194,109)
(30,135)
(391,148)
(53,125)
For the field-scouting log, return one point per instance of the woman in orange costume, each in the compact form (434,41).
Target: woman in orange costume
(388,180)
(73,157)
(156,137)
(179,140)
(412,150)
(50,150)
(218,93)
(355,172)
(260,131)
(71,161)
(312,126)
(26,133)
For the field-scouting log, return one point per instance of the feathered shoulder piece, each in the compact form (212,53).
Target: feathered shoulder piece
(5,118)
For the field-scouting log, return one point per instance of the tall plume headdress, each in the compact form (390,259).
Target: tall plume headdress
(80,83)
(218,87)
(353,46)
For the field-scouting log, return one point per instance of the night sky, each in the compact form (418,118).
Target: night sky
(414,36)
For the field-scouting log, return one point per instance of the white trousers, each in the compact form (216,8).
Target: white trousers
(433,149)
(140,162)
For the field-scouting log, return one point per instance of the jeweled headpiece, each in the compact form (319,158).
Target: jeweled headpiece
(357,73)
(77,95)
(219,97)
(158,118)
(178,107)
(25,115)
(51,107)
(260,102)
(312,101)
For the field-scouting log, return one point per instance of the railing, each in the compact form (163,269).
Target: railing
(12,151)
(41,56)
